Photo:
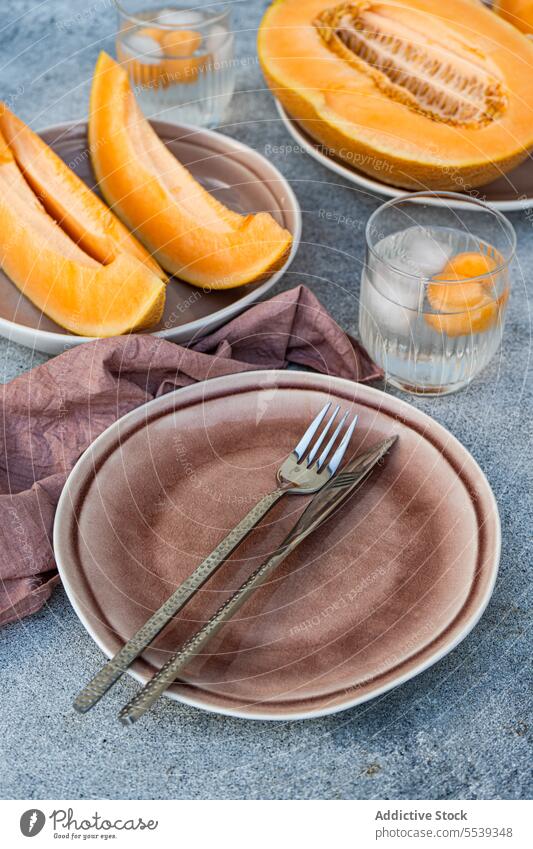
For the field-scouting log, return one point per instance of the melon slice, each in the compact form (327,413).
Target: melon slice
(67,284)
(67,199)
(190,233)
(158,58)
(464,296)
(140,53)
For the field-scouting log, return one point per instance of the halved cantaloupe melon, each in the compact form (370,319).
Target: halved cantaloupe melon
(519,13)
(65,283)
(190,233)
(67,199)
(419,93)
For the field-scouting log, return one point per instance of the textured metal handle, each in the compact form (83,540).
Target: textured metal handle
(114,668)
(157,685)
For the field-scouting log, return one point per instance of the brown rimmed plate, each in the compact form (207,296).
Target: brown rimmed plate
(509,192)
(390,585)
(237,175)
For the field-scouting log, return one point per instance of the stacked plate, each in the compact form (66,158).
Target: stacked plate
(392,582)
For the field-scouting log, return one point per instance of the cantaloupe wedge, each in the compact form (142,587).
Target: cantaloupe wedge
(71,287)
(68,200)
(464,296)
(190,233)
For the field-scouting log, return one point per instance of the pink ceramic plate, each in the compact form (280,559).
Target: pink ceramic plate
(387,588)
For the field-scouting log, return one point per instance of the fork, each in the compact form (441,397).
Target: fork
(328,500)
(303,472)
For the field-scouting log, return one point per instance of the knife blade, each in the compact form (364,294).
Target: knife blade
(319,509)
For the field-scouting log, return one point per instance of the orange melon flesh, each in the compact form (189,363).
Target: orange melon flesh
(80,294)
(419,93)
(173,42)
(180,65)
(180,43)
(519,13)
(79,212)
(169,57)
(190,233)
(464,305)
(143,73)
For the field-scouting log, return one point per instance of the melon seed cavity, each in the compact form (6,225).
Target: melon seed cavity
(408,66)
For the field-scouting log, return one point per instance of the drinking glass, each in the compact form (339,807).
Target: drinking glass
(179,59)
(434,289)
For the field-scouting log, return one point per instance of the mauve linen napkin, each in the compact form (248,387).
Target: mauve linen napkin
(52,413)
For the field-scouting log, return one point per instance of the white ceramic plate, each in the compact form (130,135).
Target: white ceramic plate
(510,192)
(234,173)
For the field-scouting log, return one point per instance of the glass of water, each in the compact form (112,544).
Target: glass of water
(179,59)
(434,289)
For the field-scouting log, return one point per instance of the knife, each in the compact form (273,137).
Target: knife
(320,508)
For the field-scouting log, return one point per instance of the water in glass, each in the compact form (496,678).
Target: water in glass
(420,348)
(180,63)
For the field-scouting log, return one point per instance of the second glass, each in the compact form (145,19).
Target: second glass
(179,60)
(434,289)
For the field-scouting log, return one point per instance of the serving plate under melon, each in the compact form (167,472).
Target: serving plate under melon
(237,175)
(509,192)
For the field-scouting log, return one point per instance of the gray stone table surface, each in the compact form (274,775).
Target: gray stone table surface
(459,730)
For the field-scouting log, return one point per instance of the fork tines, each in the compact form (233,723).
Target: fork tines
(311,431)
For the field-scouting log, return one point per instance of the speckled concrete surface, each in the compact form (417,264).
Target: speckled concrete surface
(460,730)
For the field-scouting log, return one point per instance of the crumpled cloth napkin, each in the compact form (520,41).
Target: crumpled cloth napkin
(52,413)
